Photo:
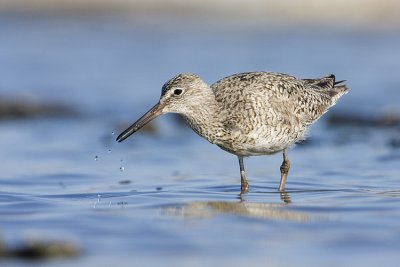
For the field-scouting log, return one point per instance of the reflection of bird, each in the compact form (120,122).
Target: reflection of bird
(247,114)
(269,211)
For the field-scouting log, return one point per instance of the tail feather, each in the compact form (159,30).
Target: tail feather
(338,91)
(339,82)
(324,83)
(328,84)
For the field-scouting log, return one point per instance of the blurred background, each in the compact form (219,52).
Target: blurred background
(74,73)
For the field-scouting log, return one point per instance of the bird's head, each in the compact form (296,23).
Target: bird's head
(178,95)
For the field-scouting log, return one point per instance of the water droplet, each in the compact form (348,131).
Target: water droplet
(122,168)
(96,158)
(109,151)
(112,133)
(97,202)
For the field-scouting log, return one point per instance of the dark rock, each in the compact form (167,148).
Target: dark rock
(25,109)
(394,143)
(40,250)
(44,250)
(358,120)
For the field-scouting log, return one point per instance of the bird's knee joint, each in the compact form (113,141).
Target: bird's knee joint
(285,167)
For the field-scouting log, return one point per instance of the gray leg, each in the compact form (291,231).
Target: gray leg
(244,183)
(284,171)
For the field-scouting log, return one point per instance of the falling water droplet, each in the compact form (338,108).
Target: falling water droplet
(112,133)
(122,168)
(97,202)
(96,158)
(109,151)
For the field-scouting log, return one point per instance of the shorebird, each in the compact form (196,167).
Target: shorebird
(247,114)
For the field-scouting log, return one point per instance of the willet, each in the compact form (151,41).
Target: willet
(247,114)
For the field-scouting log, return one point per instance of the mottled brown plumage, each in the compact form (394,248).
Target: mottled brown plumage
(247,114)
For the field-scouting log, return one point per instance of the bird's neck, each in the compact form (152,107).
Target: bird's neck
(203,118)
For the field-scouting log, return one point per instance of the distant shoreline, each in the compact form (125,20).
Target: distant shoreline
(340,13)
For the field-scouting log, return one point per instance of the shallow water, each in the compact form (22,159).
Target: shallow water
(170,198)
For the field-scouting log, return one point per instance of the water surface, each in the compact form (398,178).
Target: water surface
(170,198)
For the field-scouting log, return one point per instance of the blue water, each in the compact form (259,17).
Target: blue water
(170,198)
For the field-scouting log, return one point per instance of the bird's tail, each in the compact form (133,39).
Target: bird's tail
(329,85)
(338,90)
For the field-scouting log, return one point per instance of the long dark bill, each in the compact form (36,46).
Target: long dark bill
(146,118)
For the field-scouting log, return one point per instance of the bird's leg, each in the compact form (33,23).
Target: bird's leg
(284,170)
(244,183)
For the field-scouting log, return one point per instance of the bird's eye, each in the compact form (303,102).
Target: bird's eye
(177,91)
